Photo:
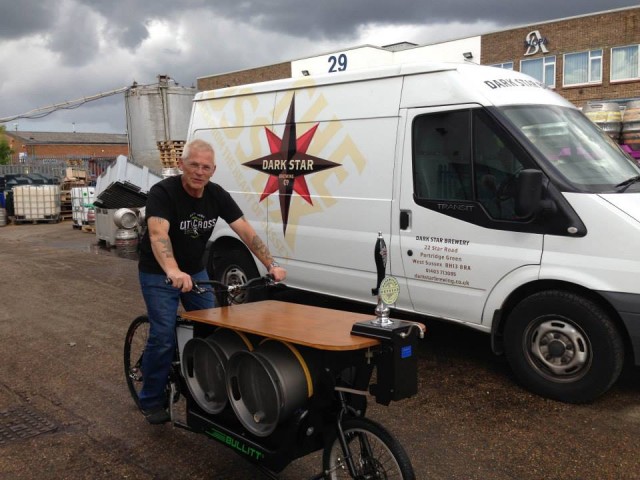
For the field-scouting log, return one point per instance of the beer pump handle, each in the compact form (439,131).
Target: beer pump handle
(380,257)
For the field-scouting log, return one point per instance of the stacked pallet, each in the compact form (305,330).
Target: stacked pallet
(76,176)
(170,153)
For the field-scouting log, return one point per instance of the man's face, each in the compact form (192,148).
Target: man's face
(197,170)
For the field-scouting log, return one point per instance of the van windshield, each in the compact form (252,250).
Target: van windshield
(574,146)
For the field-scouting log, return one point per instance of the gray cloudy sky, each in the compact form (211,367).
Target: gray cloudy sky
(63,50)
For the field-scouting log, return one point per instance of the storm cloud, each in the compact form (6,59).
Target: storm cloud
(53,52)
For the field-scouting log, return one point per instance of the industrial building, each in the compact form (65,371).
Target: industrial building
(49,146)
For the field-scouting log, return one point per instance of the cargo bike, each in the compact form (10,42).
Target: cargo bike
(276,381)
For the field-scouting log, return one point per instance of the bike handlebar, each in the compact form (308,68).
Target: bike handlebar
(264,281)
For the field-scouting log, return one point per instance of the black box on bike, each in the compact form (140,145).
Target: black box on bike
(396,361)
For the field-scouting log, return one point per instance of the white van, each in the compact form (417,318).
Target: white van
(503,207)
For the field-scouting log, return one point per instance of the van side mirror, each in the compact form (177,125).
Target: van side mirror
(528,199)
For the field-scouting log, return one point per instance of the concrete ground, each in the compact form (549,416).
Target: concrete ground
(65,412)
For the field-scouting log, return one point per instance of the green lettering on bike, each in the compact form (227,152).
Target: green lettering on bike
(235,444)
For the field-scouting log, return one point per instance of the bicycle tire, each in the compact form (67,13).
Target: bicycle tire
(134,343)
(387,459)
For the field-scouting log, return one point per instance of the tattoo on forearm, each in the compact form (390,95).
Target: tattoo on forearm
(165,247)
(261,250)
(159,238)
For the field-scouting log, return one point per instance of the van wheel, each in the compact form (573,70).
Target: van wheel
(235,267)
(563,346)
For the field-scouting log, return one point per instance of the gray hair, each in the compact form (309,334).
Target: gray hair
(196,145)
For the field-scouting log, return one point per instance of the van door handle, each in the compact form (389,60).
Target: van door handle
(405,219)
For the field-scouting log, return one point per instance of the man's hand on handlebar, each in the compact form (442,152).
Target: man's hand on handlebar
(181,280)
(278,273)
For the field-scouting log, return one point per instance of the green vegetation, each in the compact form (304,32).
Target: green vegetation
(5,149)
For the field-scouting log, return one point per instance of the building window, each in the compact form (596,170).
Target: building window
(581,68)
(505,65)
(624,63)
(542,69)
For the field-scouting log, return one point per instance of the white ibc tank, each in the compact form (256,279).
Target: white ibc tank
(156,113)
(36,202)
(82,199)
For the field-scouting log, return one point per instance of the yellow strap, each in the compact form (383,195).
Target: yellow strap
(301,361)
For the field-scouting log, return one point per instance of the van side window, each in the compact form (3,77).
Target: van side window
(495,168)
(463,156)
(442,164)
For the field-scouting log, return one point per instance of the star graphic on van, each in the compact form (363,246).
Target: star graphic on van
(288,163)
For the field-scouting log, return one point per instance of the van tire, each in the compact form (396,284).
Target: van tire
(235,267)
(563,346)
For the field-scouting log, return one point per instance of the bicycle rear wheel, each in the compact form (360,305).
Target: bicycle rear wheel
(134,344)
(375,453)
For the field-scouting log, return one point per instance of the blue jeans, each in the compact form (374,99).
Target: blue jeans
(162,302)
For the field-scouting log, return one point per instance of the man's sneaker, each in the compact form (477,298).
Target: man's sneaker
(156,416)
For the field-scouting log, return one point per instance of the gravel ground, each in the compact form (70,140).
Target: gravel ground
(65,307)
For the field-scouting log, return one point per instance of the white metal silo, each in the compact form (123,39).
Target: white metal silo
(156,113)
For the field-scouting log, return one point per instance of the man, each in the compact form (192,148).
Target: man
(181,213)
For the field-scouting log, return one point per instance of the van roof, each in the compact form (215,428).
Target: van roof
(332,78)
(450,83)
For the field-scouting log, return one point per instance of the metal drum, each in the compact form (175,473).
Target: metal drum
(142,216)
(607,116)
(127,241)
(204,366)
(170,172)
(267,385)
(125,218)
(631,125)
(3,217)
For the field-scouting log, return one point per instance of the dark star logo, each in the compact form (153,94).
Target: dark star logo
(288,163)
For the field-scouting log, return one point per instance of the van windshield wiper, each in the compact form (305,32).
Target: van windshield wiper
(621,187)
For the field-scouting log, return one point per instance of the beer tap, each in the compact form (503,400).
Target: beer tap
(380,257)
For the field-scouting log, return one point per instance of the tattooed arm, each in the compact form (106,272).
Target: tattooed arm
(249,236)
(163,252)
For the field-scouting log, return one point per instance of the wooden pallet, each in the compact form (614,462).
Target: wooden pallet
(171,144)
(170,152)
(68,184)
(35,221)
(89,228)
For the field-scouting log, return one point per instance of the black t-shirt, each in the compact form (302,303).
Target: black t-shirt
(191,221)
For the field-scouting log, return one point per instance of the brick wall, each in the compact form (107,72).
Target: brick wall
(601,31)
(91,150)
(69,150)
(242,77)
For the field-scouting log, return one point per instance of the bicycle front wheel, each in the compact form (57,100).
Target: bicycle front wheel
(134,344)
(375,453)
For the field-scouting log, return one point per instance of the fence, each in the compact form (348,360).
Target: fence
(57,166)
